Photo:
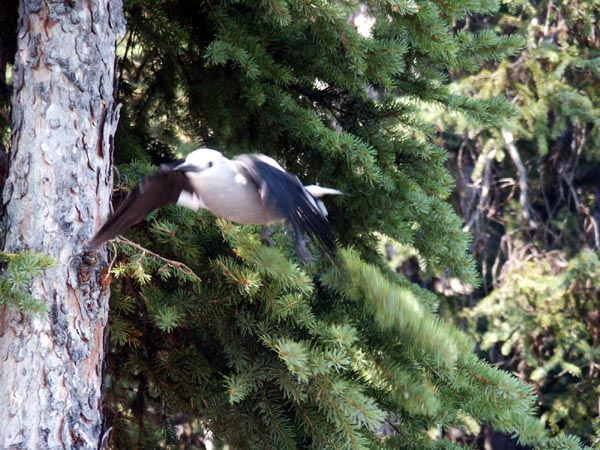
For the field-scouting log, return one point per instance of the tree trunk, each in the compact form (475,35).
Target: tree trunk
(64,116)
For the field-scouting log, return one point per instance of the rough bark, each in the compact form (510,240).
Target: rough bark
(64,116)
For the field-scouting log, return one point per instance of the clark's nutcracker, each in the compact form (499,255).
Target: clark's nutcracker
(250,189)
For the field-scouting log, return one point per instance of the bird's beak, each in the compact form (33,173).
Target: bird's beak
(186,167)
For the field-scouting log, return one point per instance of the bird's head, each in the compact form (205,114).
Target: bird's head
(200,160)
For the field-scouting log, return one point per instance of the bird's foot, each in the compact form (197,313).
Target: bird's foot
(265,236)
(303,252)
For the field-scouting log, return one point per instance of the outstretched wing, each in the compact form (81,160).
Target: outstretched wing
(284,193)
(154,191)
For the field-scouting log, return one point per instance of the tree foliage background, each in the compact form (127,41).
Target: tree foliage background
(213,335)
(529,193)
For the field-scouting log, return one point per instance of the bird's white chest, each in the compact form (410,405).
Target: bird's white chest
(232,196)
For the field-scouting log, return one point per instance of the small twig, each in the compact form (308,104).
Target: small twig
(484,185)
(177,264)
(125,54)
(214,15)
(114,258)
(548,18)
(509,141)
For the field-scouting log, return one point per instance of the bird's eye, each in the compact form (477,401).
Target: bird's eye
(210,164)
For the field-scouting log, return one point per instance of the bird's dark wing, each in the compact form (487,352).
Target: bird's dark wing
(154,191)
(283,192)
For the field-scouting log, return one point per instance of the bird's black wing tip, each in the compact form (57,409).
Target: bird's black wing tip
(284,192)
(154,191)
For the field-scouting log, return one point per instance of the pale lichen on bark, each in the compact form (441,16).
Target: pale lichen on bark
(55,197)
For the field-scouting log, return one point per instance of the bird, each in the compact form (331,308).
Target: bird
(248,189)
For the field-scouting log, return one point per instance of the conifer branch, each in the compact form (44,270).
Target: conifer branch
(169,262)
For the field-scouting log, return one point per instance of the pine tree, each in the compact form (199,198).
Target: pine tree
(241,339)
(53,306)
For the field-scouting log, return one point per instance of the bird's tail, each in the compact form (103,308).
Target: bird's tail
(320,191)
